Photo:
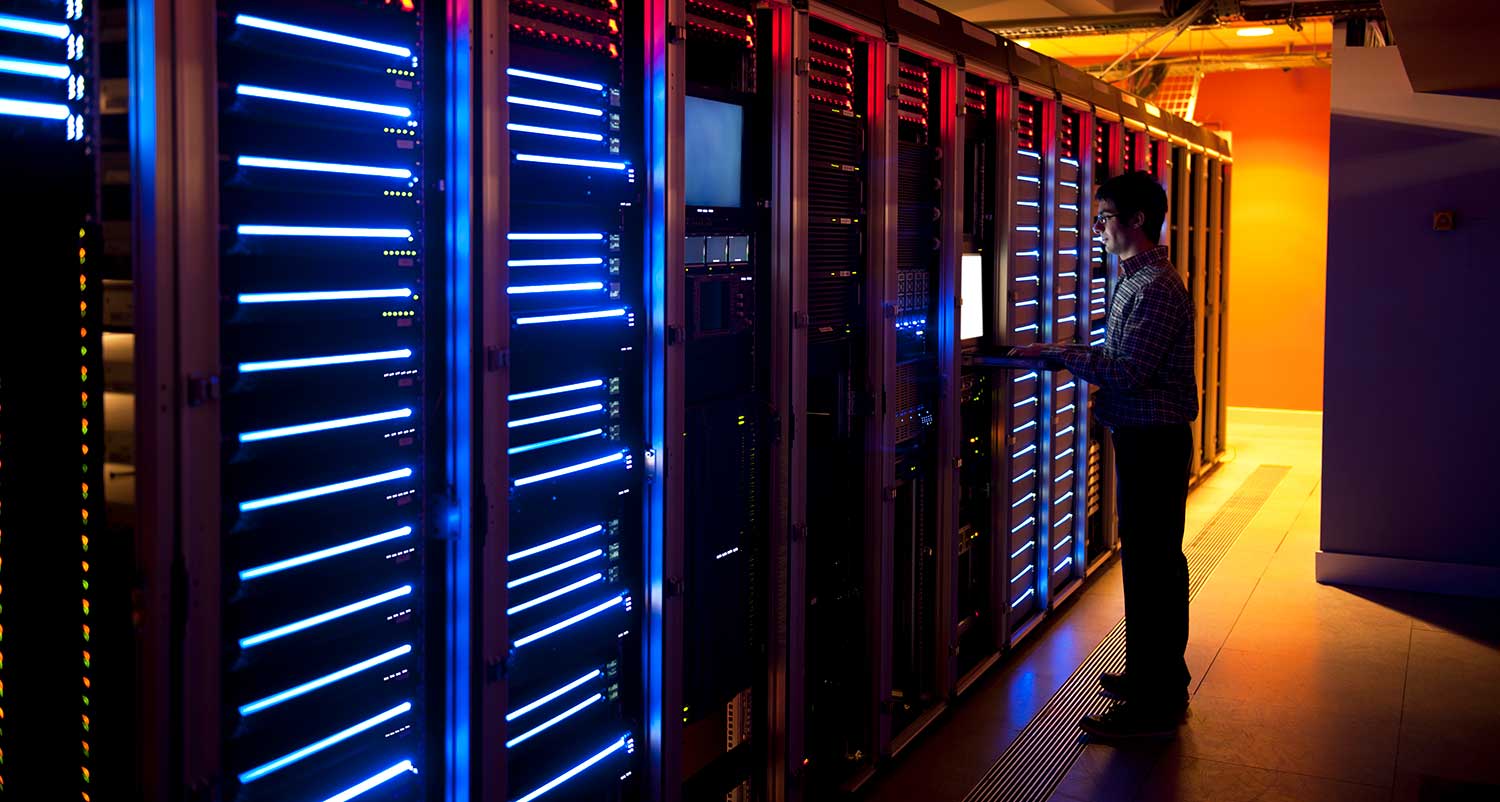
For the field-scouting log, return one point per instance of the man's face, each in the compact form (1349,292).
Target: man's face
(1109,227)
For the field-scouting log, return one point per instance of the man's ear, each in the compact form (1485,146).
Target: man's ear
(1138,220)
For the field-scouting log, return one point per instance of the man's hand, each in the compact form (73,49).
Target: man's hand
(1032,350)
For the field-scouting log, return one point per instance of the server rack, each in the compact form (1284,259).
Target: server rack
(583,407)
(1112,149)
(1028,211)
(1222,354)
(849,141)
(726,372)
(923,299)
(977,595)
(290,273)
(65,592)
(1064,282)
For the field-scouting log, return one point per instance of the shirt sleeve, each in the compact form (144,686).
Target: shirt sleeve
(1145,339)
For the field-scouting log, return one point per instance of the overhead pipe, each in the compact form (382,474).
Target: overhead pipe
(1269,13)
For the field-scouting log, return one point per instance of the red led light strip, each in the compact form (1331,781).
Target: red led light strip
(567,14)
(727,12)
(718,29)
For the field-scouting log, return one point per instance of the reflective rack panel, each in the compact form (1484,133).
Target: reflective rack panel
(1023,325)
(1065,427)
(575,403)
(62,578)
(324,421)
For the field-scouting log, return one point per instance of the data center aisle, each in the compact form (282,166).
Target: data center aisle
(1300,691)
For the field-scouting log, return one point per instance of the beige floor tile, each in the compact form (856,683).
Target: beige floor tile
(1380,648)
(1329,684)
(1178,778)
(1291,739)
(1109,772)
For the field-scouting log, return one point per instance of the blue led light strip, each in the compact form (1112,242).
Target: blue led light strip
(566,714)
(562,566)
(1023,377)
(1065,541)
(323,618)
(552,544)
(323,361)
(1018,552)
(547,104)
(378,780)
(571,316)
(567,413)
(603,165)
(322,36)
(1017,602)
(575,771)
(1029,154)
(553,236)
(27,108)
(585,260)
(1024,571)
(324,490)
(323,681)
(1024,499)
(318,746)
(34,27)
(556,594)
(566,388)
(1062,565)
(1024,451)
(1022,525)
(557,132)
(1063,520)
(323,167)
(556,441)
(1027,474)
(532,289)
(322,231)
(323,426)
(521,711)
(321,100)
(40,69)
(330,295)
(568,622)
(582,466)
(1023,427)
(323,554)
(1023,403)
(553,79)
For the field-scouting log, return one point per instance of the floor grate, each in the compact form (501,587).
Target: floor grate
(1043,752)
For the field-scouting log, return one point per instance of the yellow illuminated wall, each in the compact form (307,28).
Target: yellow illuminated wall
(1279,223)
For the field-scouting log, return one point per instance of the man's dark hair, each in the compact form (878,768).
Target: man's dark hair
(1137,192)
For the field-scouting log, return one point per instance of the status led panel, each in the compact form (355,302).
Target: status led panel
(1100,264)
(1064,392)
(62,575)
(322,272)
(575,403)
(1024,296)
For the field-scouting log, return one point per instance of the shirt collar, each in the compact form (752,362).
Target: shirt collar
(1147,258)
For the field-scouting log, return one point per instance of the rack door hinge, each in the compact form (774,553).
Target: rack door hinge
(202,388)
(496,358)
(676,33)
(800,66)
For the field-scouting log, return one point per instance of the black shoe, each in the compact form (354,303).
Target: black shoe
(1114,686)
(1124,720)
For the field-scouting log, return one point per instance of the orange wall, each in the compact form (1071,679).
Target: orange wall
(1279,223)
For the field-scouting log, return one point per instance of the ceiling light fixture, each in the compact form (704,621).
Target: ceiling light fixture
(1255,31)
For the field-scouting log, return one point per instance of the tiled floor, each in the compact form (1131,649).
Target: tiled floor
(1301,691)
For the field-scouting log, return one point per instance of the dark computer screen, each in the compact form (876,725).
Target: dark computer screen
(712,152)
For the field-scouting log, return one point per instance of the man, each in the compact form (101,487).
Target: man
(1147,398)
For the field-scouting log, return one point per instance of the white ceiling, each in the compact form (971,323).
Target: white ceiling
(986,10)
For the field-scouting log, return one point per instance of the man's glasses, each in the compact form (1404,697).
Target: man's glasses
(1102,217)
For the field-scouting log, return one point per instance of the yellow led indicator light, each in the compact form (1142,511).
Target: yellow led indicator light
(87,663)
(86,633)
(85,723)
(86,612)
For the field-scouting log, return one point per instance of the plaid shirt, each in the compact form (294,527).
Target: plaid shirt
(1144,370)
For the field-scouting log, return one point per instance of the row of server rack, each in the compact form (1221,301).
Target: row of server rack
(543,399)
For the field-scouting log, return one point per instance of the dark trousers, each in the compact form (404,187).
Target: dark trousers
(1151,465)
